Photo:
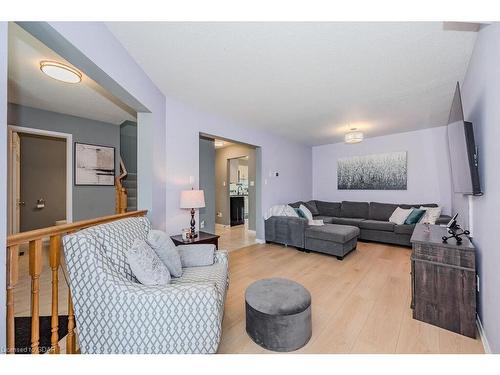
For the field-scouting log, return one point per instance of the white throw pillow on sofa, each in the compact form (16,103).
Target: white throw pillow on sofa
(431,215)
(289,211)
(146,266)
(400,215)
(306,212)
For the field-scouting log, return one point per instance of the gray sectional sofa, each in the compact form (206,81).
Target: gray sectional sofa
(372,219)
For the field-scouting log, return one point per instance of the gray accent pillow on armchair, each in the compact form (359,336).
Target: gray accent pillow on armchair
(196,255)
(166,250)
(146,265)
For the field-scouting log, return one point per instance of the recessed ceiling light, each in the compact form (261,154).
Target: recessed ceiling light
(61,72)
(353,136)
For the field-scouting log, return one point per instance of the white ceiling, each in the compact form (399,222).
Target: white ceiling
(307,81)
(30,87)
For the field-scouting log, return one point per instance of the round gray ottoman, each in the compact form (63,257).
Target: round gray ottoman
(278,314)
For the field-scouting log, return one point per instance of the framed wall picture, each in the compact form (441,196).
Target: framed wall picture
(94,165)
(373,172)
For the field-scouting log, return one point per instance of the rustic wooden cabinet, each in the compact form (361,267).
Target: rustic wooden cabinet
(443,280)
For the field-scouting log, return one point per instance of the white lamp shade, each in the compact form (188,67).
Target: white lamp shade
(192,199)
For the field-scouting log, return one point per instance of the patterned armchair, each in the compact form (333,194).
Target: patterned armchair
(116,314)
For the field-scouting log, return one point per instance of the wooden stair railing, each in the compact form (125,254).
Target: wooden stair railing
(35,239)
(121,192)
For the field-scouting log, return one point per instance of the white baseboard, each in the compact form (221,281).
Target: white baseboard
(258,240)
(482,334)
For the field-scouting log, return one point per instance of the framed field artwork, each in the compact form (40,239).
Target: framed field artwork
(94,165)
(373,172)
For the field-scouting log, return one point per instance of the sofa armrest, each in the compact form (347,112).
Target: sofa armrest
(287,230)
(443,219)
(221,256)
(196,255)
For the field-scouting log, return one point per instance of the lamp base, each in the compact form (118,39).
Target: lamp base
(193,233)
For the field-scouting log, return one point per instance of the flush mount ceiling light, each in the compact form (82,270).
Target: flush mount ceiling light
(353,136)
(218,143)
(61,72)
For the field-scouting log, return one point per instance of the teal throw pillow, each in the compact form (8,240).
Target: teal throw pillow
(300,213)
(414,216)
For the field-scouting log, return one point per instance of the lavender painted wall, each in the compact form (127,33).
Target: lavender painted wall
(481,98)
(291,160)
(3,178)
(428,170)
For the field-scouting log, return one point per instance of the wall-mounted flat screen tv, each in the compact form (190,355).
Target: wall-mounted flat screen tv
(463,151)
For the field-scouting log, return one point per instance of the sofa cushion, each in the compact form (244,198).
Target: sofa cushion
(216,274)
(332,232)
(381,211)
(404,229)
(406,206)
(377,225)
(326,219)
(354,209)
(296,204)
(328,208)
(346,221)
(311,205)
(443,219)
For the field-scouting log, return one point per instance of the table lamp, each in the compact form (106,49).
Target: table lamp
(191,199)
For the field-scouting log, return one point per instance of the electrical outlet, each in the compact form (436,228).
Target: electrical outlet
(477,283)
(219,214)
(202,224)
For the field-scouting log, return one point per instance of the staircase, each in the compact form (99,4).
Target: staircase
(130,185)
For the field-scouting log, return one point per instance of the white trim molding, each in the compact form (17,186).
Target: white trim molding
(69,161)
(482,335)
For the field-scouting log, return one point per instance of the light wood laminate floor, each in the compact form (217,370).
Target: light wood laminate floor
(359,305)
(233,238)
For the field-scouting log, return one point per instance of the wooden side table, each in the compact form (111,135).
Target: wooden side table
(203,237)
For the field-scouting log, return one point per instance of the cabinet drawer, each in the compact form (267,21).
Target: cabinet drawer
(445,255)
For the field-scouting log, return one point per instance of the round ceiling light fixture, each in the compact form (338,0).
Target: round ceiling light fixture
(354,136)
(61,72)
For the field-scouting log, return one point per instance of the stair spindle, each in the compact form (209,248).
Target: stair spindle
(70,339)
(55,248)
(35,268)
